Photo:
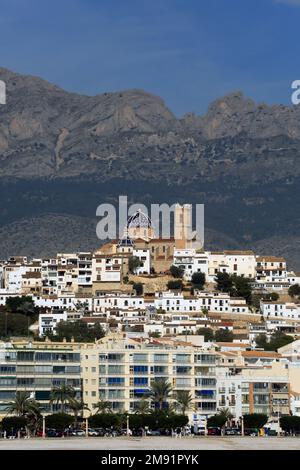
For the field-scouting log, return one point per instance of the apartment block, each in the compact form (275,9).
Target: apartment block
(121,371)
(36,368)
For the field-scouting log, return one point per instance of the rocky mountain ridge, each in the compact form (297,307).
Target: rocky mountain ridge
(63,153)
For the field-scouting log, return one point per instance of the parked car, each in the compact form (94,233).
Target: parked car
(152,432)
(54,433)
(198,430)
(92,432)
(232,432)
(214,431)
(100,431)
(78,432)
(137,432)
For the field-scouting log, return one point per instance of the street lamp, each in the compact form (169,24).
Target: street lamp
(242,426)
(86,427)
(127,425)
(44,427)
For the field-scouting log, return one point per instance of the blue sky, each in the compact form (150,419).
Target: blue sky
(189,52)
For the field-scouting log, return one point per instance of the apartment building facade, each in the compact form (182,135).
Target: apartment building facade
(121,371)
(282,310)
(37,368)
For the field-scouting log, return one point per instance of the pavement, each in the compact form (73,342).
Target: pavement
(153,443)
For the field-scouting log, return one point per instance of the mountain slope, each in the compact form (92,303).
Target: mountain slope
(64,153)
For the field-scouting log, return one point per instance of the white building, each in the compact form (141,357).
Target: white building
(49,321)
(241,263)
(172,301)
(107,268)
(145,259)
(108,301)
(191,261)
(287,310)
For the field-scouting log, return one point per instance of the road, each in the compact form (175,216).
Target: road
(154,443)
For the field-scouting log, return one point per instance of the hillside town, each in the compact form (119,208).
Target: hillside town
(223,327)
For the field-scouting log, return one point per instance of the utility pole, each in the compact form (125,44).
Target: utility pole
(44,428)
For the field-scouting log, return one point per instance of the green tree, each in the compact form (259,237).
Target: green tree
(290,424)
(177,271)
(294,290)
(22,304)
(78,330)
(59,421)
(22,404)
(273,296)
(207,333)
(241,287)
(63,394)
(103,406)
(175,285)
(154,334)
(198,280)
(226,413)
(256,298)
(133,264)
(13,423)
(13,324)
(255,420)
(143,407)
(184,400)
(138,287)
(216,421)
(277,340)
(106,420)
(261,341)
(223,336)
(77,406)
(224,282)
(160,392)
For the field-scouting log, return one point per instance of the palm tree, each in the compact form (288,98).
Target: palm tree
(27,407)
(103,406)
(22,404)
(77,406)
(63,394)
(226,414)
(160,391)
(184,400)
(143,407)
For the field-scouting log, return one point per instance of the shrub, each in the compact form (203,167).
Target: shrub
(216,421)
(290,423)
(13,422)
(138,287)
(59,421)
(198,280)
(175,284)
(176,271)
(255,420)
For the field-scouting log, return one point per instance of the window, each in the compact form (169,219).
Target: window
(58,369)
(140,381)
